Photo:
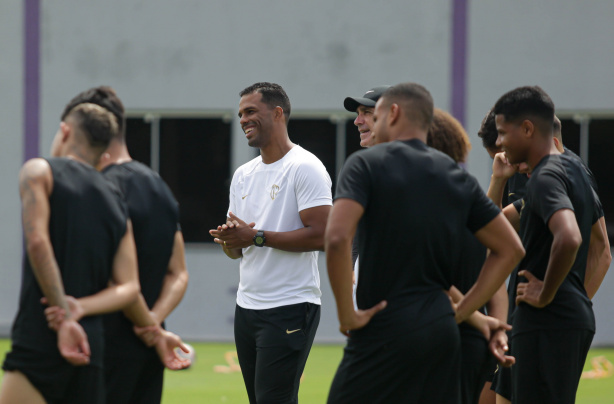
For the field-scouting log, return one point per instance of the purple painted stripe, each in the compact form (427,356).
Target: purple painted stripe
(459,59)
(31,78)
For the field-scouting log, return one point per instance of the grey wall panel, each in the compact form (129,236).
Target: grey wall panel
(11,152)
(192,54)
(564,46)
(603,305)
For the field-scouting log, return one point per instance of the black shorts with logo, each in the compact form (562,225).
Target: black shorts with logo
(273,346)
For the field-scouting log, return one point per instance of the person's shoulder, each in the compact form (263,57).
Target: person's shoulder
(300,158)
(34,169)
(249,166)
(299,155)
(573,161)
(37,164)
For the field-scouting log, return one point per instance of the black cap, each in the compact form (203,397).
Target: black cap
(367,100)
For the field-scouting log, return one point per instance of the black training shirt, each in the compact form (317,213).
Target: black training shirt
(418,205)
(154,213)
(558,182)
(86,224)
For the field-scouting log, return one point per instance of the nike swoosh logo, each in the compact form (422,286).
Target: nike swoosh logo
(290,332)
(245,196)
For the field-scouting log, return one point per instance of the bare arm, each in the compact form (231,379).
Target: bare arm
(35,186)
(309,238)
(175,281)
(501,172)
(565,244)
(236,234)
(493,326)
(338,246)
(505,252)
(599,258)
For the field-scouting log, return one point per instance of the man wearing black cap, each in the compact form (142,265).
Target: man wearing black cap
(364,107)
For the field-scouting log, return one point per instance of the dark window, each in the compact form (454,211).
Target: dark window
(570,131)
(194,161)
(601,145)
(319,137)
(138,139)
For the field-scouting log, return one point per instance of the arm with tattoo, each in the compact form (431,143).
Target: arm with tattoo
(35,185)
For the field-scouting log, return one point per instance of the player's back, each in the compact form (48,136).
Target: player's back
(418,206)
(86,224)
(154,214)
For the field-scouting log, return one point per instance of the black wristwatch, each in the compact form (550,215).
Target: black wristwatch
(259,239)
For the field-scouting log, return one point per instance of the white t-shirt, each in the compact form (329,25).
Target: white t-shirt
(272,195)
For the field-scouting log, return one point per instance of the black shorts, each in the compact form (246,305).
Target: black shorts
(134,379)
(400,366)
(476,365)
(548,365)
(272,347)
(502,382)
(58,381)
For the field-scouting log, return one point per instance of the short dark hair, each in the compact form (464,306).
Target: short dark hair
(105,97)
(448,135)
(418,103)
(488,131)
(272,94)
(95,123)
(528,102)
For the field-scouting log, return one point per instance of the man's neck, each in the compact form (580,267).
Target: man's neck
(116,153)
(277,148)
(83,156)
(411,134)
(541,150)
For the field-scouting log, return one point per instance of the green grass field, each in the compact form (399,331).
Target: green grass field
(203,384)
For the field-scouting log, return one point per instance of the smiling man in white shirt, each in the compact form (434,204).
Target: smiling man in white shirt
(279,204)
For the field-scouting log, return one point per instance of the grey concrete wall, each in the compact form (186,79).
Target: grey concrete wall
(189,54)
(11,152)
(565,47)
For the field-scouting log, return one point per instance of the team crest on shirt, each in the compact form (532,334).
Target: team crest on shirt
(274,191)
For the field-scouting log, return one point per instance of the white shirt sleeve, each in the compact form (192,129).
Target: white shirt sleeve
(313,185)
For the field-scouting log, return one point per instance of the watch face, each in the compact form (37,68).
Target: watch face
(259,240)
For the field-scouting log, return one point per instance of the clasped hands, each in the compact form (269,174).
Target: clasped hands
(235,233)
(74,346)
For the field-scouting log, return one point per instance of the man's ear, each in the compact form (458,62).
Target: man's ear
(279,113)
(66,130)
(394,114)
(528,128)
(556,142)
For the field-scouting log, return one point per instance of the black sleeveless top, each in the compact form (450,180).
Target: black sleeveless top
(154,213)
(87,222)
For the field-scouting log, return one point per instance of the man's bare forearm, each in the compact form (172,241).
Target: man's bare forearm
(46,271)
(173,290)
